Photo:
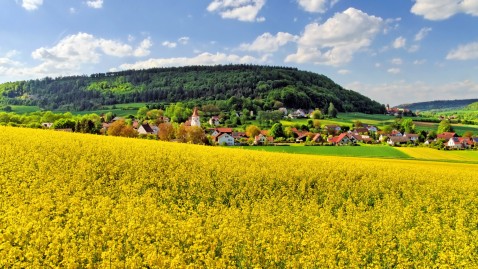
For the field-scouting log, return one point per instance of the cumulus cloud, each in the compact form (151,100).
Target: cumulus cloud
(143,49)
(343,71)
(268,42)
(72,52)
(336,41)
(443,9)
(183,40)
(394,70)
(399,42)
(31,5)
(422,33)
(242,10)
(464,52)
(169,44)
(400,92)
(396,61)
(316,6)
(201,59)
(95,3)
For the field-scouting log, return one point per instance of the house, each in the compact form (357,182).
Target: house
(263,139)
(446,136)
(396,133)
(303,137)
(366,139)
(145,129)
(214,121)
(475,140)
(47,124)
(116,119)
(283,110)
(360,130)
(239,136)
(371,128)
(342,139)
(412,137)
(317,138)
(458,143)
(332,129)
(217,131)
(299,113)
(224,139)
(397,140)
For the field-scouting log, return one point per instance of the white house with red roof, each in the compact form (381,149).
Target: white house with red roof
(342,139)
(459,142)
(224,139)
(446,136)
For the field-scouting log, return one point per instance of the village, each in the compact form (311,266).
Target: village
(211,132)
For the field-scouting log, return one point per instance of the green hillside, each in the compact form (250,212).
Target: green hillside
(230,87)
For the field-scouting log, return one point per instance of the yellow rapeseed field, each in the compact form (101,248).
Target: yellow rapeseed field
(83,201)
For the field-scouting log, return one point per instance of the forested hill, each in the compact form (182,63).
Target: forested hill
(241,86)
(439,105)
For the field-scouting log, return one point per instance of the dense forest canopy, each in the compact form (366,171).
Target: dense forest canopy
(242,86)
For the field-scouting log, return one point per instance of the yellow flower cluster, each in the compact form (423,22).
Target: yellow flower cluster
(84,201)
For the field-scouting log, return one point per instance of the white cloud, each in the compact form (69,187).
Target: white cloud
(338,39)
(74,51)
(31,5)
(396,61)
(422,33)
(268,42)
(399,42)
(444,9)
(419,62)
(183,40)
(464,52)
(400,92)
(143,49)
(414,48)
(242,10)
(201,59)
(343,71)
(12,53)
(95,3)
(394,70)
(72,10)
(169,44)
(318,6)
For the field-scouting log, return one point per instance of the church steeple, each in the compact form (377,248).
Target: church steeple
(195,118)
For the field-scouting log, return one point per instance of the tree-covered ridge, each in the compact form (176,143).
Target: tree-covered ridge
(439,105)
(265,87)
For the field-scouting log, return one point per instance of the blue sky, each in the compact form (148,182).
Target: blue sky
(394,51)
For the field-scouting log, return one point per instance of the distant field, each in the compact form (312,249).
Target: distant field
(441,155)
(459,128)
(24,109)
(359,151)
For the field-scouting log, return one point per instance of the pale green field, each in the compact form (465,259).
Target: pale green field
(440,155)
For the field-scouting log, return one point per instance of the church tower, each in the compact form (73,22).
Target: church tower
(195,118)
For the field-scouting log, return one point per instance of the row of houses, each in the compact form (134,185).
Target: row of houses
(454,141)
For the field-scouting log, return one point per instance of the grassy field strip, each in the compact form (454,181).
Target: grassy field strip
(361,151)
